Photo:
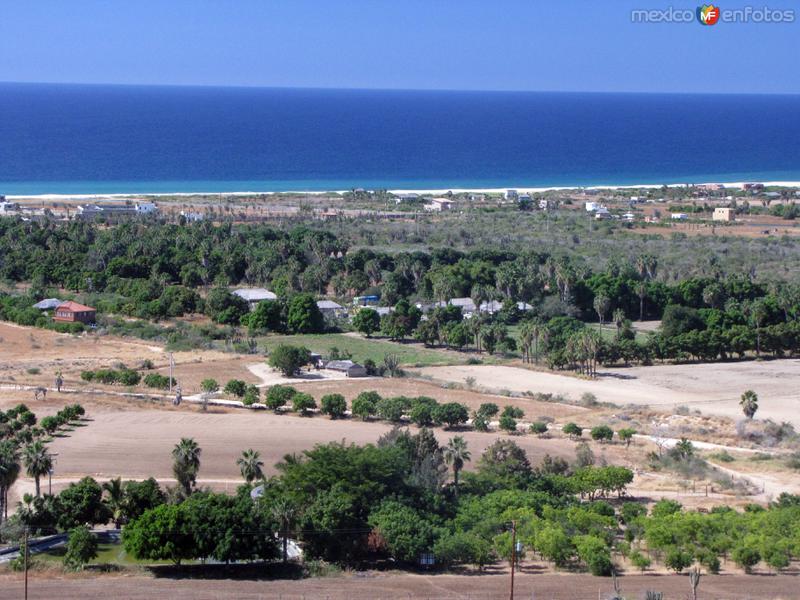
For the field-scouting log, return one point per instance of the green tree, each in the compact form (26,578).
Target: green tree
(209,386)
(9,472)
(304,316)
(81,548)
(626,435)
(538,427)
(250,465)
(303,403)
(186,464)
(677,559)
(572,430)
(333,405)
(235,387)
(406,532)
(38,462)
(450,414)
(508,423)
(289,359)
(602,433)
(456,454)
(115,500)
(749,403)
(746,556)
(268,315)
(365,405)
(279,395)
(367,321)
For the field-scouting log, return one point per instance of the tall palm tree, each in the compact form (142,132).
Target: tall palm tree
(250,465)
(115,500)
(601,306)
(9,472)
(38,462)
(284,512)
(456,454)
(619,319)
(526,340)
(186,463)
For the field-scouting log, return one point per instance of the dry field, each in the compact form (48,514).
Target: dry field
(711,388)
(393,586)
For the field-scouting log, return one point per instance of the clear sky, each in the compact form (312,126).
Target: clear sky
(576,45)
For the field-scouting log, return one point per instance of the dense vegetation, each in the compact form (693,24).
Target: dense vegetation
(357,505)
(156,270)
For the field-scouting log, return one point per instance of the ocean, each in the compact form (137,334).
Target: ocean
(87,139)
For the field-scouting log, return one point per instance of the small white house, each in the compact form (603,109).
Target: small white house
(146,208)
(192,217)
(348,367)
(593,206)
(679,216)
(438,205)
(255,295)
(511,194)
(329,308)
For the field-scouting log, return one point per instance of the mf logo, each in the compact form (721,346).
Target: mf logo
(708,14)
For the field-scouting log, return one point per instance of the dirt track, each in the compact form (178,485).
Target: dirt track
(376,586)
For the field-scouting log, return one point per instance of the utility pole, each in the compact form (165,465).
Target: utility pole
(171,369)
(513,554)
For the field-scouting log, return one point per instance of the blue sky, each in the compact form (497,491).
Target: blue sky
(427,44)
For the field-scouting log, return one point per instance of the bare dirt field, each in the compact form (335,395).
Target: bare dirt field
(712,388)
(134,441)
(386,586)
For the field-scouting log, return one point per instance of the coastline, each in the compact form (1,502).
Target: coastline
(427,191)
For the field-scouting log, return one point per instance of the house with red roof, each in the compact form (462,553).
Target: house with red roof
(73,312)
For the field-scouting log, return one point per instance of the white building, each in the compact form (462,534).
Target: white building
(592,206)
(255,295)
(146,208)
(511,195)
(679,216)
(439,204)
(329,308)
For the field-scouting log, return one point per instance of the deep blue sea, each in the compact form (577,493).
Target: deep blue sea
(118,139)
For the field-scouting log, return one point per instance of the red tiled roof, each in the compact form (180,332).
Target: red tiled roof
(74,307)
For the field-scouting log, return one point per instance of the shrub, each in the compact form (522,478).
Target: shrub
(289,359)
(333,405)
(513,412)
(365,405)
(156,380)
(422,410)
(639,560)
(602,433)
(128,377)
(508,423)
(209,386)
(392,409)
(81,548)
(677,560)
(450,414)
(235,387)
(626,435)
(303,403)
(488,409)
(538,428)
(572,430)
(87,375)
(251,395)
(279,395)
(480,422)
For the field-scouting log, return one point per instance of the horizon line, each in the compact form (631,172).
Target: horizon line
(390,89)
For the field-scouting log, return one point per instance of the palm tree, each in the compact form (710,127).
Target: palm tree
(186,463)
(641,291)
(526,340)
(9,472)
(749,403)
(456,454)
(250,465)
(601,306)
(38,462)
(619,319)
(115,500)
(285,512)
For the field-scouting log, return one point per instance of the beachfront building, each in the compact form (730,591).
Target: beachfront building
(406,198)
(254,295)
(438,205)
(511,194)
(722,214)
(146,208)
(73,312)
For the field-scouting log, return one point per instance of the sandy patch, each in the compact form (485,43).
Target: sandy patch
(713,388)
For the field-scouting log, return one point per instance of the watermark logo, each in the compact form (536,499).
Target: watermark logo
(708,14)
